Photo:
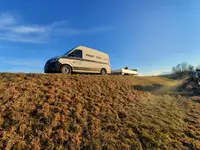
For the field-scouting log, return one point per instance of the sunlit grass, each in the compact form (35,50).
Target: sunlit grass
(94,112)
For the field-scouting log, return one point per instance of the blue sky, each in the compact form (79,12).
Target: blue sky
(150,35)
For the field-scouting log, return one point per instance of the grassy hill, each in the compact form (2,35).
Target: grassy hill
(40,111)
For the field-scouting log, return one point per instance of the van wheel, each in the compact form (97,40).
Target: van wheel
(65,69)
(103,72)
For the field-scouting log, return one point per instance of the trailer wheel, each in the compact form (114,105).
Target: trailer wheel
(103,71)
(65,69)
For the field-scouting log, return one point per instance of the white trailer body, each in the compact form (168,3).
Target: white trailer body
(125,71)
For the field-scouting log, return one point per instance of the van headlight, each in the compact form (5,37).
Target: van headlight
(53,60)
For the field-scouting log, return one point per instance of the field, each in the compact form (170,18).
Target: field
(39,111)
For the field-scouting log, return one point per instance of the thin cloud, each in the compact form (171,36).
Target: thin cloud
(71,31)
(24,38)
(6,19)
(3,46)
(29,29)
(12,29)
(161,72)
(23,70)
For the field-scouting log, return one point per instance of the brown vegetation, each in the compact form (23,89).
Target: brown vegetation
(96,112)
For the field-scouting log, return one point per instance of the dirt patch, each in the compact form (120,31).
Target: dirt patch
(93,112)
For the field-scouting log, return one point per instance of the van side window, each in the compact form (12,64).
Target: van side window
(76,53)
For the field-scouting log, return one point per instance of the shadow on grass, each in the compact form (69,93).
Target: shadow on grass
(196,101)
(148,88)
(159,89)
(192,92)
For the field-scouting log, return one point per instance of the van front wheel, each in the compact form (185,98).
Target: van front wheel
(65,69)
(103,72)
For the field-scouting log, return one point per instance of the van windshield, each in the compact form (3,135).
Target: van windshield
(65,54)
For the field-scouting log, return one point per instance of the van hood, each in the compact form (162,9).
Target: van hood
(55,57)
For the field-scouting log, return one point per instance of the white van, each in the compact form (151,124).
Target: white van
(80,59)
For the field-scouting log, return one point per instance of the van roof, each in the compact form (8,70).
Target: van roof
(87,48)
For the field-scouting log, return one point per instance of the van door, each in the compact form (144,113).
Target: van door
(77,61)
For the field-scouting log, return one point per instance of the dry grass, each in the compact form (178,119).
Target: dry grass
(95,112)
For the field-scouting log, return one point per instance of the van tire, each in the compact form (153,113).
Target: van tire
(103,71)
(65,69)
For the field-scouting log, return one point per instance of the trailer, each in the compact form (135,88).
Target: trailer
(125,71)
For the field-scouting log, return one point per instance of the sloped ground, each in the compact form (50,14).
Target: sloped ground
(96,112)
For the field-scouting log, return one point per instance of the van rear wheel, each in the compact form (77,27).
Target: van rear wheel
(103,72)
(65,69)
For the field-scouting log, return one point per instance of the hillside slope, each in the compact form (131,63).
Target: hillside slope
(40,111)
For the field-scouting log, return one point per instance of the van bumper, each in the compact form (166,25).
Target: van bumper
(53,67)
